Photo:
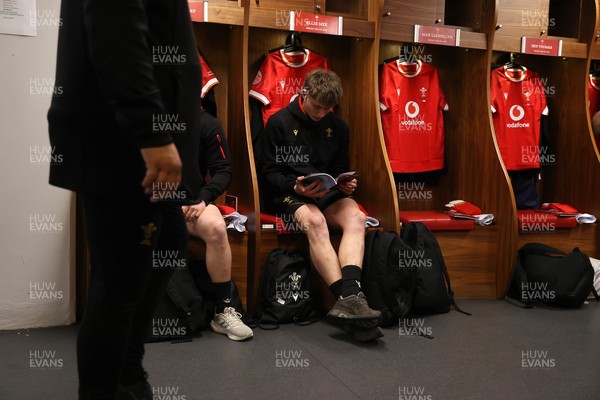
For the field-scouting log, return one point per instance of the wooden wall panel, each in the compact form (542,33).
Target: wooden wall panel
(402,12)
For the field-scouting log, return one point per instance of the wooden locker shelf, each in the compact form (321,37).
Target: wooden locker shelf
(279,20)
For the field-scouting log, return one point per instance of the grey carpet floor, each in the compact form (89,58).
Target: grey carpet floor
(500,352)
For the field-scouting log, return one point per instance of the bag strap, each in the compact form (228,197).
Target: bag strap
(595,293)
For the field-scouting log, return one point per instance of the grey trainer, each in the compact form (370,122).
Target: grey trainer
(355,309)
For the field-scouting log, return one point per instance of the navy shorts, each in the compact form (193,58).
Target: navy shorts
(290,203)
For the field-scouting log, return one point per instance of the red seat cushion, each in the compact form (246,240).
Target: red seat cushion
(437,221)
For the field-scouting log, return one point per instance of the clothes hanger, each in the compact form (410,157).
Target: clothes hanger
(512,64)
(294,43)
(404,57)
(595,69)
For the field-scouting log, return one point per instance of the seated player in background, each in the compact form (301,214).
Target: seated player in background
(319,139)
(204,220)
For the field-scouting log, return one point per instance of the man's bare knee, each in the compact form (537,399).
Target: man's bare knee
(316,226)
(214,230)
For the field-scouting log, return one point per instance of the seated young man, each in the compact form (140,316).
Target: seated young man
(319,141)
(204,220)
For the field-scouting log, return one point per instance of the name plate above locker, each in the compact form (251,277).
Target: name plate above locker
(198,11)
(314,23)
(437,35)
(542,47)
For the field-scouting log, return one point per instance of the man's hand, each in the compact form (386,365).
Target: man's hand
(312,191)
(349,187)
(163,170)
(192,213)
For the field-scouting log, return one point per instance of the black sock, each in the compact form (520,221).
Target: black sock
(336,288)
(222,296)
(351,280)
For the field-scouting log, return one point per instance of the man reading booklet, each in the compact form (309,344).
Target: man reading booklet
(319,140)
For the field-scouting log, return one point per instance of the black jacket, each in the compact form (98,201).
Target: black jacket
(129,78)
(293,145)
(214,158)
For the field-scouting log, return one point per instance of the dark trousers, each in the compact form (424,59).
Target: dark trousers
(124,236)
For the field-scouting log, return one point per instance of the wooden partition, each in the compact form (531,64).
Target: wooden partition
(224,46)
(477,260)
(571,173)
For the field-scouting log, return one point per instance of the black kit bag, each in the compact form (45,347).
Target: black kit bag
(433,293)
(387,283)
(547,275)
(187,306)
(285,290)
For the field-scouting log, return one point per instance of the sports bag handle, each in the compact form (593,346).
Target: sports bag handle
(540,248)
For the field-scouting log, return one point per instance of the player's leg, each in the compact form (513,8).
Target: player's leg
(172,242)
(322,253)
(345,215)
(210,227)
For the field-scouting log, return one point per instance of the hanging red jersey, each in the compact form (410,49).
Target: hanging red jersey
(280,78)
(593,94)
(411,102)
(208,77)
(518,103)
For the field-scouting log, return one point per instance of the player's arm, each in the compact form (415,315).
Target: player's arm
(218,159)
(273,171)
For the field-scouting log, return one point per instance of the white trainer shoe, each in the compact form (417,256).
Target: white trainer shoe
(229,323)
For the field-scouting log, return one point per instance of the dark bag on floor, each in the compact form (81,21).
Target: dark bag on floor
(285,290)
(387,281)
(547,275)
(433,293)
(187,305)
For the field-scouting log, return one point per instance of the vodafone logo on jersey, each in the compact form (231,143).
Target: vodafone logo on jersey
(517,113)
(411,121)
(412,109)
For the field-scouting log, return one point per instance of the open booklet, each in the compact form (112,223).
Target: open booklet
(328,180)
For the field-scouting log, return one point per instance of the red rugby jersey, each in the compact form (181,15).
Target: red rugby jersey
(280,78)
(518,102)
(208,77)
(593,94)
(411,102)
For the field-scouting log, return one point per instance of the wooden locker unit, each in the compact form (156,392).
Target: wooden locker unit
(225,49)
(357,9)
(574,175)
(400,16)
(353,57)
(477,260)
(222,11)
(552,19)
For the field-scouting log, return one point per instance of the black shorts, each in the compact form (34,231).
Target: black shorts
(290,203)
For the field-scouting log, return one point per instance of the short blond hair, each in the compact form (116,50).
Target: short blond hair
(323,86)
